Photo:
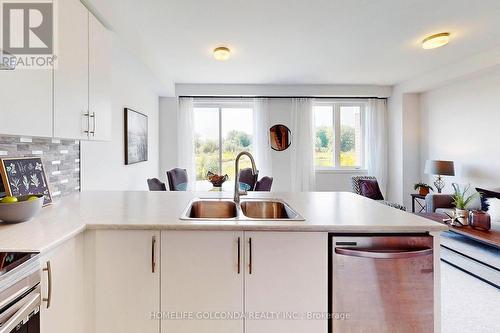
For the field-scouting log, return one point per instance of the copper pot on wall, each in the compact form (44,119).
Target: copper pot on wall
(480,220)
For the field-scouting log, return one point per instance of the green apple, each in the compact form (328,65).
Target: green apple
(8,199)
(31,198)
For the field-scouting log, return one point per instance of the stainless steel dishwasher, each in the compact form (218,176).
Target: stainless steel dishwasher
(381,283)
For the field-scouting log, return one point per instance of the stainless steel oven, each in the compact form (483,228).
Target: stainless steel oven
(19,293)
(381,283)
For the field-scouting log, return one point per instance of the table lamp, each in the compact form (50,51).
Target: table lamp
(440,168)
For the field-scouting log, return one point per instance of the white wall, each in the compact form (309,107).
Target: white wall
(168,135)
(404,146)
(395,147)
(411,146)
(279,114)
(103,166)
(461,122)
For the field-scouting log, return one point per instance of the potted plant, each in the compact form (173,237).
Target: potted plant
(423,188)
(461,201)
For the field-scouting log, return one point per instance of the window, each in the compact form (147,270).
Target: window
(339,134)
(221,132)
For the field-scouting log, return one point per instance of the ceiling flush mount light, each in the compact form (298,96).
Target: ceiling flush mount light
(222,53)
(436,41)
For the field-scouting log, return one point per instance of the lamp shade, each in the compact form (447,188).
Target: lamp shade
(441,168)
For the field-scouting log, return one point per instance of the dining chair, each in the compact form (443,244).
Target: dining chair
(155,184)
(246,176)
(177,179)
(264,184)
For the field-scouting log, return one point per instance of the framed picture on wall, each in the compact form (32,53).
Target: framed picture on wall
(136,137)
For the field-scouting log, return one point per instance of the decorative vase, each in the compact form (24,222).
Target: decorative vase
(423,191)
(462,216)
(480,220)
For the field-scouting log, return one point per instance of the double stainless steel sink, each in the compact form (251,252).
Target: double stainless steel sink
(250,209)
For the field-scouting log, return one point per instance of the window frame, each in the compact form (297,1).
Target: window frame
(219,105)
(336,105)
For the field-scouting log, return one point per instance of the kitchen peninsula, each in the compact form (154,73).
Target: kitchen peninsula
(129,262)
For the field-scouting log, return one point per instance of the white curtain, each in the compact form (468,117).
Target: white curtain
(376,141)
(185,139)
(302,154)
(261,125)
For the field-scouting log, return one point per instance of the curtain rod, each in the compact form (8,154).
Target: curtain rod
(321,97)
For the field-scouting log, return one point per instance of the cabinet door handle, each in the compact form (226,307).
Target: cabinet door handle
(239,254)
(87,115)
(153,254)
(250,255)
(48,299)
(94,123)
(92,115)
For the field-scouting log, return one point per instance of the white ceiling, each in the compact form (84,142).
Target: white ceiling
(301,42)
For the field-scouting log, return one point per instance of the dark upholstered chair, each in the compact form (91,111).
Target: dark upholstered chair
(246,176)
(356,188)
(155,184)
(264,184)
(177,179)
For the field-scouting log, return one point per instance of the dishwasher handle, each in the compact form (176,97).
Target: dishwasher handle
(383,254)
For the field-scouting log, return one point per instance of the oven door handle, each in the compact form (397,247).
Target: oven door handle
(31,305)
(380,254)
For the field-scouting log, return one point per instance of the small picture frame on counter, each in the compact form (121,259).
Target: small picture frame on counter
(25,176)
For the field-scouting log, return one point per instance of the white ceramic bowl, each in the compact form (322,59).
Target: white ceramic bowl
(21,211)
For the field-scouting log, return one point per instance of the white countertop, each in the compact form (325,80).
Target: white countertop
(323,211)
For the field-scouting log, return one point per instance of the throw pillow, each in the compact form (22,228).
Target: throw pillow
(485,195)
(494,210)
(370,189)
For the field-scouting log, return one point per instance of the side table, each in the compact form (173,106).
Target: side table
(417,199)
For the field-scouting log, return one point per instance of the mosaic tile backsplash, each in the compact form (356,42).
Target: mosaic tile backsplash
(61,160)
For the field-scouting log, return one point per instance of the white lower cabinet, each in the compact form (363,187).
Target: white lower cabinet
(124,266)
(200,278)
(281,274)
(64,288)
(105,281)
(288,279)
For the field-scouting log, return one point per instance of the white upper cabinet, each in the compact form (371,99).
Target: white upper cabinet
(99,80)
(82,78)
(200,275)
(71,100)
(26,102)
(71,83)
(287,273)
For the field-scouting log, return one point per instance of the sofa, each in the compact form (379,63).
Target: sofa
(438,203)
(443,203)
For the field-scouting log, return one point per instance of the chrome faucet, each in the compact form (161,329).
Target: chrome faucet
(237,191)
